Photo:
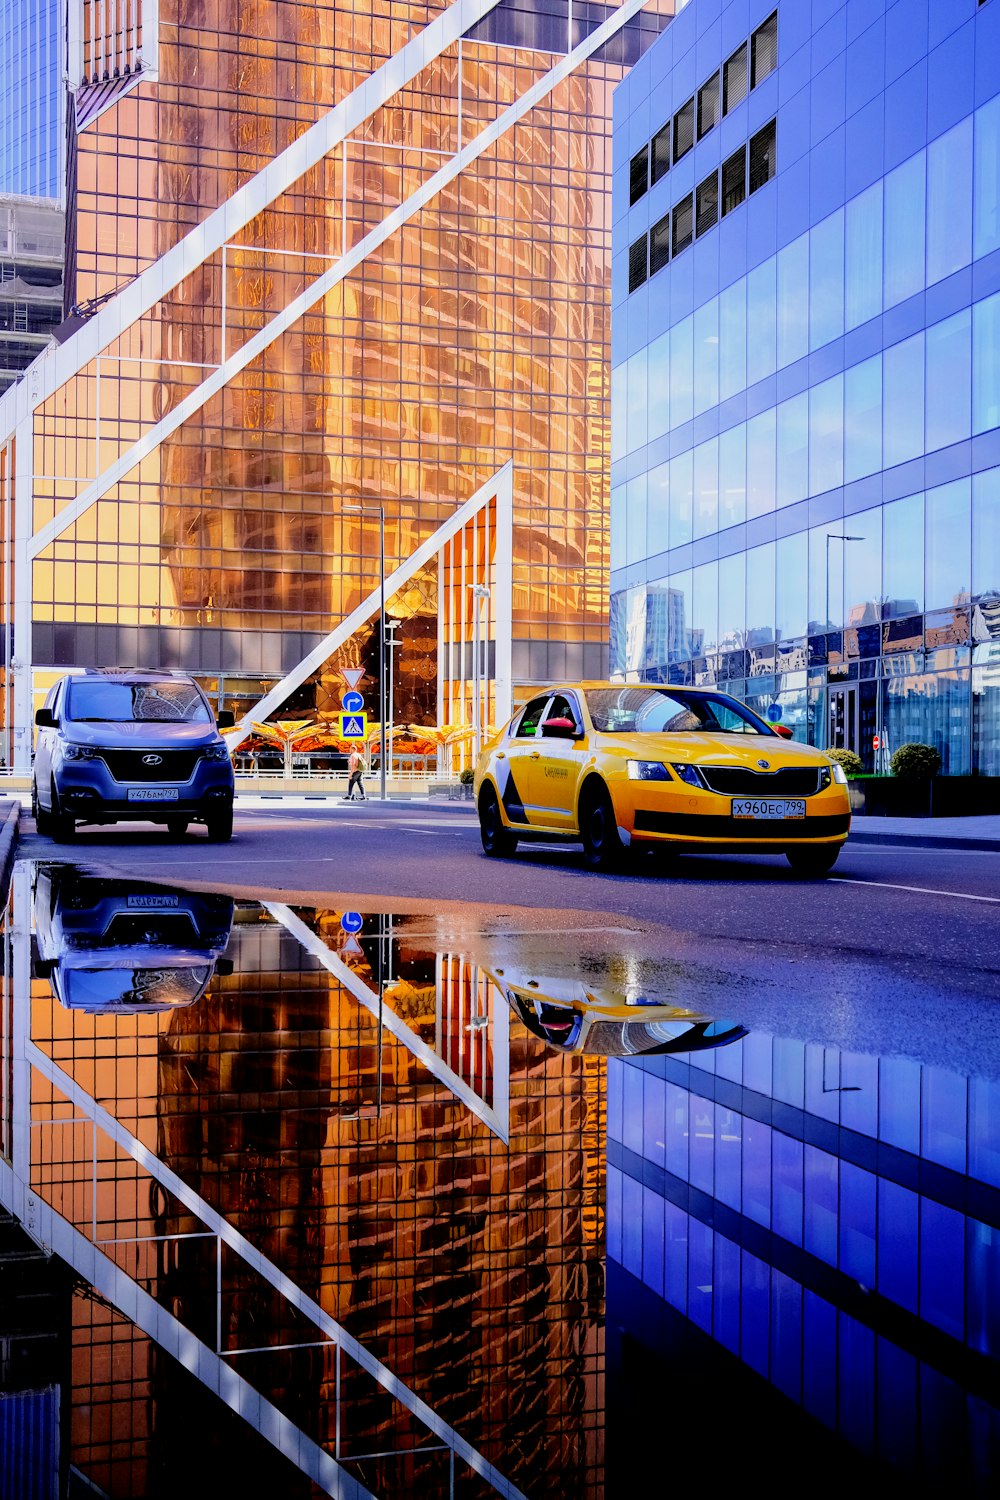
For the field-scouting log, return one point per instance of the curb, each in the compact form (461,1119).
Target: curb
(924,841)
(10,813)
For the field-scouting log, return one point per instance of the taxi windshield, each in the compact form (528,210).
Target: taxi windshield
(651,710)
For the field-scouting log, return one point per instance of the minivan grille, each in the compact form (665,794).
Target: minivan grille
(128,765)
(735,781)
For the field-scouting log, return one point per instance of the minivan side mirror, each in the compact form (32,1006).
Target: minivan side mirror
(225,718)
(44,719)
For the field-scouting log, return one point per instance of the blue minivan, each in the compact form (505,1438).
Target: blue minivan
(125,746)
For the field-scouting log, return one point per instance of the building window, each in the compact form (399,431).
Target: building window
(683,224)
(708,106)
(684,130)
(764,50)
(637,263)
(707,206)
(734,79)
(20,317)
(734,181)
(762,156)
(638,175)
(659,245)
(659,158)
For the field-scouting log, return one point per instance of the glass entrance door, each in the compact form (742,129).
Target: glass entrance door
(842,719)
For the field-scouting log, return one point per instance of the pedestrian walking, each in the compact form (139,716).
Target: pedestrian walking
(355,766)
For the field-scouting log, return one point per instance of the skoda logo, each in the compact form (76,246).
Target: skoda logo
(765,765)
(152,760)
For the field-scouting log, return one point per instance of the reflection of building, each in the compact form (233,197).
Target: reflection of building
(31,275)
(473,335)
(828,441)
(816,1234)
(32,98)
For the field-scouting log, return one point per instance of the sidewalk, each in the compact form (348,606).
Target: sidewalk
(929,833)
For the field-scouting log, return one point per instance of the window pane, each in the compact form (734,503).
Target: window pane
(793,450)
(826,435)
(683,224)
(658,510)
(826,281)
(734,79)
(705,607)
(734,180)
(675,603)
(762,156)
(638,400)
(904,230)
(681,487)
(948,521)
(760,463)
(791,572)
(949,381)
(986,364)
(708,106)
(764,50)
(659,154)
(986,541)
(638,175)
(986,228)
(637,262)
(683,130)
(681,373)
(619,411)
(903,557)
(762,321)
(903,401)
(949,202)
(760,595)
(793,301)
(659,387)
(618,526)
(708,204)
(863,257)
(706,356)
(659,245)
(635,519)
(861,565)
(732,602)
(863,419)
(732,340)
(733,477)
(706,488)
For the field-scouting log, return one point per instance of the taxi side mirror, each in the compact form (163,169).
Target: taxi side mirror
(225,718)
(783,730)
(45,720)
(560,729)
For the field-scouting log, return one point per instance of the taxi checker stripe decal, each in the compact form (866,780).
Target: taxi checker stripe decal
(509,794)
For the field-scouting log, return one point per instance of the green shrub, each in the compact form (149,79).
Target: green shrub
(851,763)
(915,762)
(466,776)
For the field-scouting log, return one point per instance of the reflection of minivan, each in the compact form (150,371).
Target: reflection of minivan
(125,945)
(116,746)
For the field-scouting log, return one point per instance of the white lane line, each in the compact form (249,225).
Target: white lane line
(921,890)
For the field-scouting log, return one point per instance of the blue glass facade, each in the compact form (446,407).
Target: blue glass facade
(805,475)
(32,93)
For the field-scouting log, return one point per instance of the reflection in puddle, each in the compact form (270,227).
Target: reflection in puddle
(337,1198)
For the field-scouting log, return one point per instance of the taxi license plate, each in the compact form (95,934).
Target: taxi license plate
(152,794)
(760,807)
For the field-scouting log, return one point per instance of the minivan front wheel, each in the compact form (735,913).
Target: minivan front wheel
(43,824)
(62,824)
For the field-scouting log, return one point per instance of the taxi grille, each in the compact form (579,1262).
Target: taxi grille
(736,781)
(127,765)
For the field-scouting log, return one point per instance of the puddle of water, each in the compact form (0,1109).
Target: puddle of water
(344,1198)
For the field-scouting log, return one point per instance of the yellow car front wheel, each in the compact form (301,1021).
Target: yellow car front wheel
(602,845)
(498,841)
(813,861)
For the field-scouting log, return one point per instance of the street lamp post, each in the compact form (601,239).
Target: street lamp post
(391,645)
(479,593)
(370,510)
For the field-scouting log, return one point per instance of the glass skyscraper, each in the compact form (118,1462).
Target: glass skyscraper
(806,368)
(32,93)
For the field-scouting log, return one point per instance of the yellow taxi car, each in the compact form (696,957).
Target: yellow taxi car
(615,765)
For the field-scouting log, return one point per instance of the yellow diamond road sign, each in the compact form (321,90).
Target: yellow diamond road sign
(353,726)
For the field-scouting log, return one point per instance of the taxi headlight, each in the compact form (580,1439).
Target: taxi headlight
(647,770)
(840,775)
(689,774)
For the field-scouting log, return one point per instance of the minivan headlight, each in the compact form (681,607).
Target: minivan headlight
(217,752)
(647,770)
(79,752)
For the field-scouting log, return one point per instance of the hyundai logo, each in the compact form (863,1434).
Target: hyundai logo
(152,760)
(765,765)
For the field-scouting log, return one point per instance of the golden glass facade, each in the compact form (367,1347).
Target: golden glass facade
(477,333)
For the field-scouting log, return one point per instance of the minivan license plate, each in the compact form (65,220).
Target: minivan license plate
(152,903)
(152,794)
(761,807)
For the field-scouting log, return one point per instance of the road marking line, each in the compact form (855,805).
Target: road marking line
(921,890)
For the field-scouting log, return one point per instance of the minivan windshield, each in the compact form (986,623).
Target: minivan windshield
(645,710)
(119,702)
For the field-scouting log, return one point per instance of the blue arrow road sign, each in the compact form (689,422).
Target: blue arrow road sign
(353,703)
(351,921)
(774,712)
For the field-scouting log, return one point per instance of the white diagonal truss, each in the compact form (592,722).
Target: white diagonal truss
(216,234)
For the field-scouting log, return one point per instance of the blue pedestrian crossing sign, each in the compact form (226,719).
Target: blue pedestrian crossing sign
(353,703)
(353,726)
(352,921)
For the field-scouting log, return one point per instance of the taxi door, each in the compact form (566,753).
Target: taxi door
(514,763)
(554,769)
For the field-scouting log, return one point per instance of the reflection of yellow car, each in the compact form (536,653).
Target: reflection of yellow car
(689,768)
(571,1017)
